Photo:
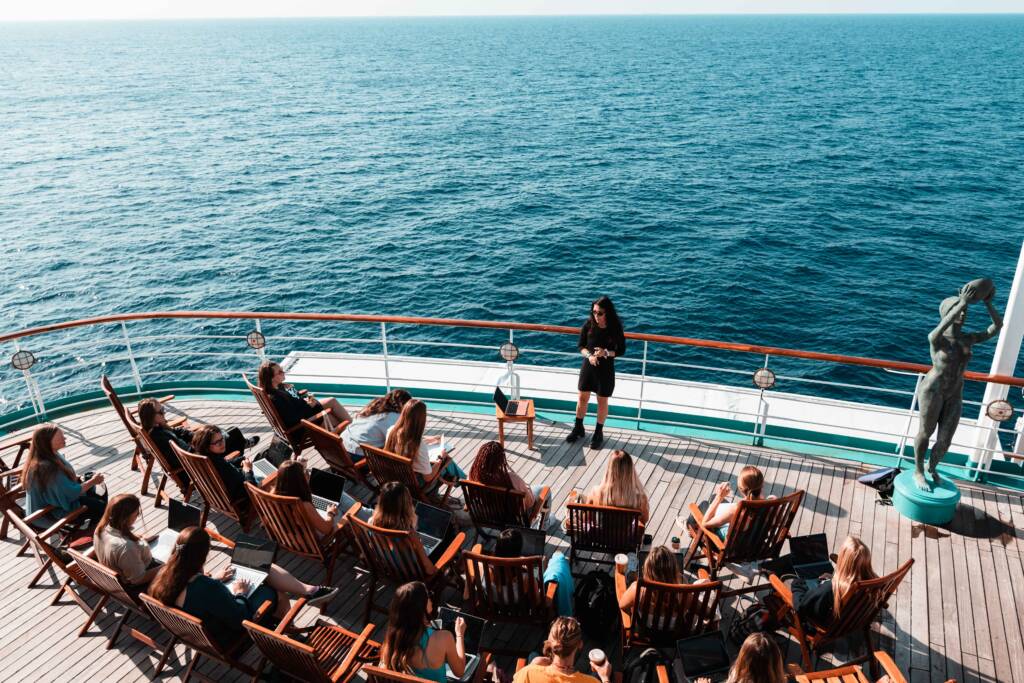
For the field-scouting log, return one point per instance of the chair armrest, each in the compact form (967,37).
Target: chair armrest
(697,514)
(890,668)
(451,552)
(298,425)
(702,573)
(520,663)
(177,422)
(662,673)
(782,590)
(712,536)
(538,504)
(262,611)
(345,667)
(62,522)
(550,591)
(290,616)
(620,588)
(341,426)
(437,469)
(39,513)
(234,455)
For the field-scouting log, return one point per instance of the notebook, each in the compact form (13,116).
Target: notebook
(327,488)
(810,557)
(251,560)
(180,516)
(474,637)
(434,452)
(703,655)
(432,525)
(510,408)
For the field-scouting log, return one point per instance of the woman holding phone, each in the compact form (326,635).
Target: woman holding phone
(602,340)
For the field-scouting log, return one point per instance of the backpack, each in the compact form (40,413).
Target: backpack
(595,604)
(643,667)
(756,618)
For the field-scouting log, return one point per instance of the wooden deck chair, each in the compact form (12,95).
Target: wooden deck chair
(211,487)
(857,612)
(191,632)
(285,522)
(604,530)
(139,456)
(664,613)
(387,466)
(11,492)
(22,445)
(377,674)
(296,436)
(330,446)
(508,590)
(326,654)
(851,673)
(757,532)
(391,556)
(153,453)
(492,507)
(110,587)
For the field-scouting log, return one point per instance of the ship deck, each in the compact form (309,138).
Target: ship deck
(958,615)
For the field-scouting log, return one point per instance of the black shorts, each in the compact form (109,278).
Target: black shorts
(599,378)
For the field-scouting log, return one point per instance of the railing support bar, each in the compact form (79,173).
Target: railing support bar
(384,349)
(910,420)
(643,381)
(131,359)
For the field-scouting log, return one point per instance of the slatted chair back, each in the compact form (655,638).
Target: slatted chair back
(150,448)
(294,658)
(389,553)
(494,507)
(330,446)
(759,528)
(604,529)
(183,626)
(49,555)
(115,401)
(11,492)
(844,674)
(387,466)
(861,605)
(215,494)
(507,590)
(105,579)
(285,521)
(376,674)
(664,613)
(297,437)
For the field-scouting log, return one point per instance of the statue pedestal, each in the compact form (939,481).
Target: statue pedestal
(935,507)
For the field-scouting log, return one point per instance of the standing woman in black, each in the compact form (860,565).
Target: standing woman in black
(601,340)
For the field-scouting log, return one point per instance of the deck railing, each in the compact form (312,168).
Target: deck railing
(68,366)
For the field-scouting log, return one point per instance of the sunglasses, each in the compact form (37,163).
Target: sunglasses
(598,313)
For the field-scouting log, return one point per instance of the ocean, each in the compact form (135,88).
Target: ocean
(817,182)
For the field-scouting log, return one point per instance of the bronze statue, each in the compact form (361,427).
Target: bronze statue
(941,390)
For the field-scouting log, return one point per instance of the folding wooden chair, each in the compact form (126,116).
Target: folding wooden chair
(857,612)
(491,507)
(285,522)
(330,446)
(664,613)
(391,556)
(851,673)
(387,466)
(191,631)
(508,590)
(126,414)
(756,533)
(327,653)
(604,530)
(211,487)
(153,453)
(296,435)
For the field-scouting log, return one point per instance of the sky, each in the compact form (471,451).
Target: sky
(44,10)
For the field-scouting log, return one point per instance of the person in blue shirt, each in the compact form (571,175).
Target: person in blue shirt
(411,646)
(51,480)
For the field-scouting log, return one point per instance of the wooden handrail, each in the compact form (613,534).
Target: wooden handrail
(861,361)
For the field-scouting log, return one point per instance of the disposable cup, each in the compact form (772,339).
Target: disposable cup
(597,657)
(621,562)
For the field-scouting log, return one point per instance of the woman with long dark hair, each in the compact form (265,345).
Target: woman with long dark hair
(292,407)
(51,480)
(602,340)
(371,424)
(411,646)
(209,440)
(117,545)
(491,467)
(293,481)
(153,419)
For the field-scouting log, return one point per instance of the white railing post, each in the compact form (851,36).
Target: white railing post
(261,352)
(384,347)
(910,421)
(761,426)
(32,387)
(513,378)
(131,359)
(643,381)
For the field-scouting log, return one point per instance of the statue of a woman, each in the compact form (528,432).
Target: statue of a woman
(941,390)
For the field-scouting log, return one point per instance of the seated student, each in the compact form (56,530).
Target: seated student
(621,486)
(396,510)
(153,418)
(819,604)
(119,548)
(181,583)
(209,440)
(661,565)
(406,438)
(558,664)
(293,408)
(292,481)
(719,514)
(758,661)
(491,467)
(411,646)
(50,479)
(371,424)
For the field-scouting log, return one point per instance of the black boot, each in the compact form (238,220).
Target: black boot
(577,432)
(597,440)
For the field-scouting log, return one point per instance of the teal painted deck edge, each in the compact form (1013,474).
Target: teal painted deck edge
(739,432)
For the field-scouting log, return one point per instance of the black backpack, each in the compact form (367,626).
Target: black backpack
(595,604)
(642,667)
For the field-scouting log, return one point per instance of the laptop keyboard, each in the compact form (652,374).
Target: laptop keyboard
(322,504)
(253,576)
(512,408)
(264,468)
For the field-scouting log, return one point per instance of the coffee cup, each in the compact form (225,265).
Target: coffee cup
(621,562)
(675,544)
(597,657)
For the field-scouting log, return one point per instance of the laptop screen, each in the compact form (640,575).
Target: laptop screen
(533,541)
(703,655)
(180,515)
(500,399)
(258,555)
(474,626)
(432,521)
(326,484)
(808,549)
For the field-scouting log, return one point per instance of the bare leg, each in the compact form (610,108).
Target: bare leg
(338,411)
(581,405)
(948,422)
(283,582)
(931,409)
(283,605)
(602,409)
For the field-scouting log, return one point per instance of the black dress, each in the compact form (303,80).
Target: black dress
(291,407)
(600,377)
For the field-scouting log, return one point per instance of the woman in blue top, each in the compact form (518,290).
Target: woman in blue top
(412,647)
(51,480)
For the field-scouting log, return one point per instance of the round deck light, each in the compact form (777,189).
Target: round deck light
(509,351)
(23,360)
(256,340)
(999,410)
(764,378)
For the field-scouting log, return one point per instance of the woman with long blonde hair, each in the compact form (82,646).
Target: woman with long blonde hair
(51,480)
(407,438)
(820,603)
(758,661)
(621,486)
(662,566)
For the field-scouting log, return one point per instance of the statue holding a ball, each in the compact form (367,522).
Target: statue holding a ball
(941,390)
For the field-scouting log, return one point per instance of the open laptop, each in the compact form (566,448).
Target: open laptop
(432,525)
(268,462)
(180,516)
(534,541)
(474,637)
(810,557)
(702,656)
(251,560)
(327,488)
(510,408)
(363,513)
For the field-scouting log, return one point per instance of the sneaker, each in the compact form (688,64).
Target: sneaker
(321,594)
(251,441)
(597,441)
(575,434)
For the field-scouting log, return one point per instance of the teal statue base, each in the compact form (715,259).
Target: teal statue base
(935,507)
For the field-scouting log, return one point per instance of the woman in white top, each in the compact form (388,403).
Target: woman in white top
(118,547)
(371,424)
(406,438)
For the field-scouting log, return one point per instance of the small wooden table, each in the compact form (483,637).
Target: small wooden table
(527,418)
